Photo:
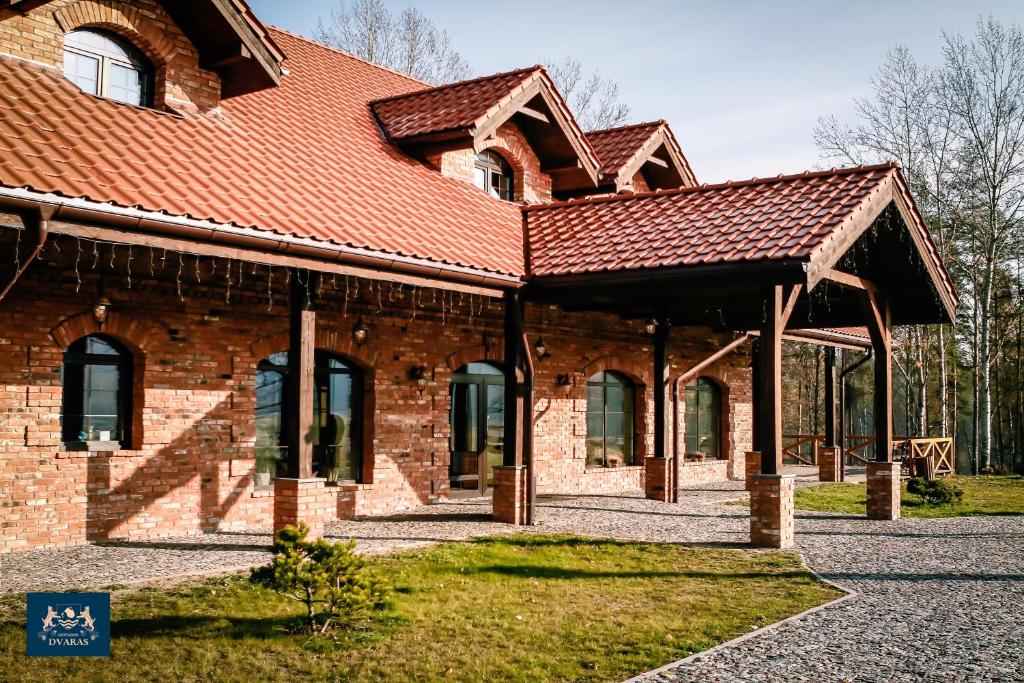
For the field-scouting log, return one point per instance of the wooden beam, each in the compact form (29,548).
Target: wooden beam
(656,161)
(225,251)
(659,381)
(562,169)
(779,305)
(848,280)
(534,114)
(755,393)
(879,323)
(830,397)
(724,351)
(512,447)
(299,387)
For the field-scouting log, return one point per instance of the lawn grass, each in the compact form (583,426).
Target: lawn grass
(983,495)
(513,608)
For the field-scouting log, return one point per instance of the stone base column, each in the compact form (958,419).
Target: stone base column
(883,490)
(302,500)
(752,466)
(830,464)
(509,498)
(771,510)
(658,479)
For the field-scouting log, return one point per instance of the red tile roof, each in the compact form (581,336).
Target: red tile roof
(304,159)
(616,147)
(777,218)
(451,107)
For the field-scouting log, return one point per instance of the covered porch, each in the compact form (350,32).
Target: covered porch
(788,256)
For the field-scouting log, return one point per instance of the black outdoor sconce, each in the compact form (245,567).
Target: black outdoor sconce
(650,327)
(360,332)
(419,374)
(541,348)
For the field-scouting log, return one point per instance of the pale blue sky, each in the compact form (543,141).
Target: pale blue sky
(741,82)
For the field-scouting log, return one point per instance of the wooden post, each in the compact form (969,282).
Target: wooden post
(879,318)
(755,393)
(659,381)
(780,302)
(512,448)
(298,397)
(830,397)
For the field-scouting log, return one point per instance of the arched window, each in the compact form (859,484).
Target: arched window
(703,421)
(492,174)
(101,63)
(477,427)
(337,417)
(97,380)
(610,427)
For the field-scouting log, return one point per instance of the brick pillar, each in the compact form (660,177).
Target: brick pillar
(302,500)
(771,510)
(883,490)
(830,464)
(658,479)
(509,498)
(752,466)
(737,466)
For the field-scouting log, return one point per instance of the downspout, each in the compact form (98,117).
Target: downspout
(842,408)
(528,373)
(39,223)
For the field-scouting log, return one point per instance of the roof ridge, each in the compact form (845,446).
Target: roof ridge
(444,86)
(715,186)
(628,126)
(343,53)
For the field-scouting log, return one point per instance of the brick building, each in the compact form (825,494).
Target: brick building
(246,279)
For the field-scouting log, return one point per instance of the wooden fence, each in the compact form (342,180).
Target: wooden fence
(921,456)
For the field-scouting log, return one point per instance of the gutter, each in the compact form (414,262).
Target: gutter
(40,224)
(86,211)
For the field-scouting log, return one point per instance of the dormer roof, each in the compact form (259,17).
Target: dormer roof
(649,148)
(468,112)
(230,39)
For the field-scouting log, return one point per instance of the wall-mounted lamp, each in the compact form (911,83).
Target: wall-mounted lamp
(360,332)
(419,374)
(100,310)
(564,381)
(541,348)
(651,326)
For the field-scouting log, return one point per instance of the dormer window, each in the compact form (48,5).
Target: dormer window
(106,65)
(493,175)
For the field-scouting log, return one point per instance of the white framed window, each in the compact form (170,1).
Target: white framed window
(106,65)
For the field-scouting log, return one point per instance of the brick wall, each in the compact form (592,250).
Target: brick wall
(179,82)
(190,467)
(532,186)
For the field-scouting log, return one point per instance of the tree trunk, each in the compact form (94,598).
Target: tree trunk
(985,367)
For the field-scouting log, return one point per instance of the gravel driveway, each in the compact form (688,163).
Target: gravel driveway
(937,599)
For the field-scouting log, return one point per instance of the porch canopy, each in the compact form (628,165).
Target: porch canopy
(810,252)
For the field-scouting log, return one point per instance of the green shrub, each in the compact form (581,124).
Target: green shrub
(336,585)
(935,492)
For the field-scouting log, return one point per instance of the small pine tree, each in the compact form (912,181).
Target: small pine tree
(336,585)
(935,491)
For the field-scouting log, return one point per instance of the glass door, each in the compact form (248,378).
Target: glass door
(477,428)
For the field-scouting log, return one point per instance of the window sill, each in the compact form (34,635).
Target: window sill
(605,468)
(92,446)
(92,449)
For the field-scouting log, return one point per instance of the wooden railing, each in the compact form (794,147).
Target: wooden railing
(921,456)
